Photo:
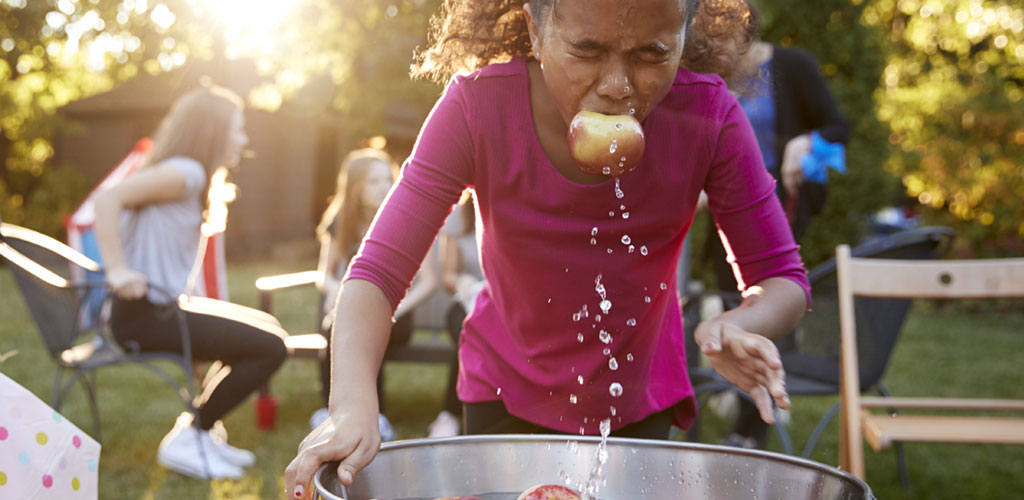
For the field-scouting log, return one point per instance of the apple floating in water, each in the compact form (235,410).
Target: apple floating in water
(605,144)
(549,492)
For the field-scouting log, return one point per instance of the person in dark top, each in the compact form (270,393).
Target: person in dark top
(793,114)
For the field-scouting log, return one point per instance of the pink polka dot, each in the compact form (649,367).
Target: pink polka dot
(77,441)
(3,433)
(47,480)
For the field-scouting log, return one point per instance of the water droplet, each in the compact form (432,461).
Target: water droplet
(618,126)
(576,316)
(625,215)
(613,364)
(631,321)
(607,351)
(625,239)
(579,378)
(572,398)
(632,111)
(597,318)
(606,170)
(615,389)
(611,213)
(647,299)
(593,241)
(622,159)
(622,207)
(579,337)
(549,300)
(629,357)
(626,89)
(605,337)
(643,249)
(618,189)
(499,391)
(593,232)
(663,286)
(614,146)
(610,251)
(631,248)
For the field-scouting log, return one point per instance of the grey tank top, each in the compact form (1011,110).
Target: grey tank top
(161,240)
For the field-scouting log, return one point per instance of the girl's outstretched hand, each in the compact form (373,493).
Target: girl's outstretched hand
(352,438)
(748,360)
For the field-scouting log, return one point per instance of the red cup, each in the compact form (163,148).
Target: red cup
(266,411)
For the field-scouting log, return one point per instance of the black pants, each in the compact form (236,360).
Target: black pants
(246,342)
(491,417)
(401,332)
(453,322)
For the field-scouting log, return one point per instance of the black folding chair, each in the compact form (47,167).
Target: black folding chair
(58,303)
(810,355)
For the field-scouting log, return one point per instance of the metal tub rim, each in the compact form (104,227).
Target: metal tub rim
(499,439)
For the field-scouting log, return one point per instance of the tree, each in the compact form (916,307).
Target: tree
(951,96)
(352,55)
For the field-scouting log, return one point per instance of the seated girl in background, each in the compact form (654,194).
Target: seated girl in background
(149,232)
(364,179)
(578,329)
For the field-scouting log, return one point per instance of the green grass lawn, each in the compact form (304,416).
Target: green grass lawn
(137,408)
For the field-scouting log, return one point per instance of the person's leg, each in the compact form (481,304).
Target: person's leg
(325,368)
(655,426)
(250,352)
(491,417)
(456,315)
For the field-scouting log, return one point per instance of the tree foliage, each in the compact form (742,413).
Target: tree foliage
(951,97)
(932,89)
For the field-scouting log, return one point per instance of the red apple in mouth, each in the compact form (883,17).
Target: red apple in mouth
(605,144)
(549,492)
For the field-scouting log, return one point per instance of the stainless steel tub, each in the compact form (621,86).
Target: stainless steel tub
(636,469)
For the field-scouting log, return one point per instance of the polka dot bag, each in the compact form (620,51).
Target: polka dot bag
(42,454)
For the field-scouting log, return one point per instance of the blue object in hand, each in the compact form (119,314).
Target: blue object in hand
(823,156)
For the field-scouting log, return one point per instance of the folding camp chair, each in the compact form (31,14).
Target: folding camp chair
(41,267)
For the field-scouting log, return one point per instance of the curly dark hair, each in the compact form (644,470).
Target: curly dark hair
(469,34)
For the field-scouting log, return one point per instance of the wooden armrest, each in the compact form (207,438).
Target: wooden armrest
(943,403)
(270,284)
(285,281)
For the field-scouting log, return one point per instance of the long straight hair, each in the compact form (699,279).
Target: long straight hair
(346,211)
(197,127)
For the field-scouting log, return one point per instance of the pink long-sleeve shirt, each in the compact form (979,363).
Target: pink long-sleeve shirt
(549,247)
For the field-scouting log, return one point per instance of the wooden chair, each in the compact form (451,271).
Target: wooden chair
(959,421)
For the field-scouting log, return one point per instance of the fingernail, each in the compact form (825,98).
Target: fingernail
(299,491)
(346,476)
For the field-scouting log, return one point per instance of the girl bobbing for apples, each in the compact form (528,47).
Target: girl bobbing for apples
(502,130)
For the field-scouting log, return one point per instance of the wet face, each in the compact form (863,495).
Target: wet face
(376,186)
(609,56)
(237,138)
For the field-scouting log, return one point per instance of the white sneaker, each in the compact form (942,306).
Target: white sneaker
(319,417)
(384,426)
(219,440)
(445,425)
(191,452)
